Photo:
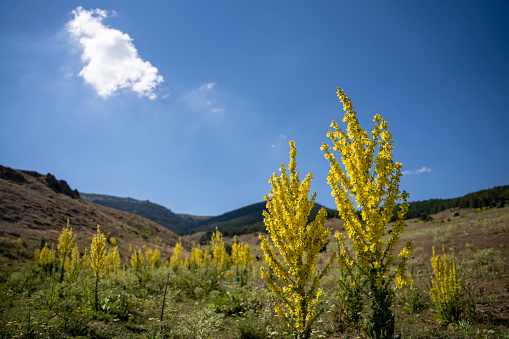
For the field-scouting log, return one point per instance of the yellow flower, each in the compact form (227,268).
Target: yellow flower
(365,177)
(220,256)
(298,242)
(98,253)
(176,258)
(137,259)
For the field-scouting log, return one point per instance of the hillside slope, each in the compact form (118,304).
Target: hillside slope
(157,213)
(35,207)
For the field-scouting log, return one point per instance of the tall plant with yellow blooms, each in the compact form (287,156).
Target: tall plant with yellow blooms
(241,258)
(176,258)
(197,256)
(98,260)
(220,256)
(445,289)
(137,259)
(66,241)
(373,182)
(296,290)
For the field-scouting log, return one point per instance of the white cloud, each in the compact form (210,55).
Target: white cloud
(208,86)
(279,141)
(113,61)
(203,100)
(423,169)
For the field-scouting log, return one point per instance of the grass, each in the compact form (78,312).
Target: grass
(200,305)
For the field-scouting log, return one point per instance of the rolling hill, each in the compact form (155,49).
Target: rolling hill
(35,207)
(179,224)
(244,220)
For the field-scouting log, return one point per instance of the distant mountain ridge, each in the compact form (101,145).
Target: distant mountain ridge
(249,218)
(179,224)
(246,219)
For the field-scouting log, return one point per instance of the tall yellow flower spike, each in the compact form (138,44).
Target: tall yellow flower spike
(98,260)
(218,250)
(137,259)
(445,291)
(176,258)
(299,242)
(66,242)
(197,256)
(372,180)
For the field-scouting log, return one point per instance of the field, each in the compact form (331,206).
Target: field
(202,302)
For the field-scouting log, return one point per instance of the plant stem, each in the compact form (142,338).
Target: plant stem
(164,297)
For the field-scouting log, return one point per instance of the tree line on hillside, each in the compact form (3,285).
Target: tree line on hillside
(246,220)
(493,197)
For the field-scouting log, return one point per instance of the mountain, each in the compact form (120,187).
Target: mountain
(35,207)
(246,219)
(163,216)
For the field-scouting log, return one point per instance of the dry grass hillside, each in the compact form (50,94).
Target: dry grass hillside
(35,206)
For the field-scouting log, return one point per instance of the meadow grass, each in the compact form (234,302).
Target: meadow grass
(200,305)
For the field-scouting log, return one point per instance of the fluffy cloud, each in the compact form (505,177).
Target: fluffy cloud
(423,169)
(112,60)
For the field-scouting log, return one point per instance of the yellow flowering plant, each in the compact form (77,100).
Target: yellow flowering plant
(137,259)
(98,260)
(371,179)
(66,242)
(445,291)
(176,258)
(46,256)
(74,265)
(197,256)
(241,258)
(113,260)
(155,258)
(220,256)
(296,290)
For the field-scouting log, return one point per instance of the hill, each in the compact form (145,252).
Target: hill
(244,220)
(157,213)
(493,197)
(35,207)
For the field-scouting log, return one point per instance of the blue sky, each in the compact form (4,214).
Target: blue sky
(191,104)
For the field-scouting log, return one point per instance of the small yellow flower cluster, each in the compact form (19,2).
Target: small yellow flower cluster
(98,253)
(241,253)
(176,258)
(74,265)
(113,259)
(155,258)
(198,257)
(220,256)
(46,256)
(137,259)
(445,290)
(66,242)
(289,207)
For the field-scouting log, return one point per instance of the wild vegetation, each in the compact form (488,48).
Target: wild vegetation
(387,280)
